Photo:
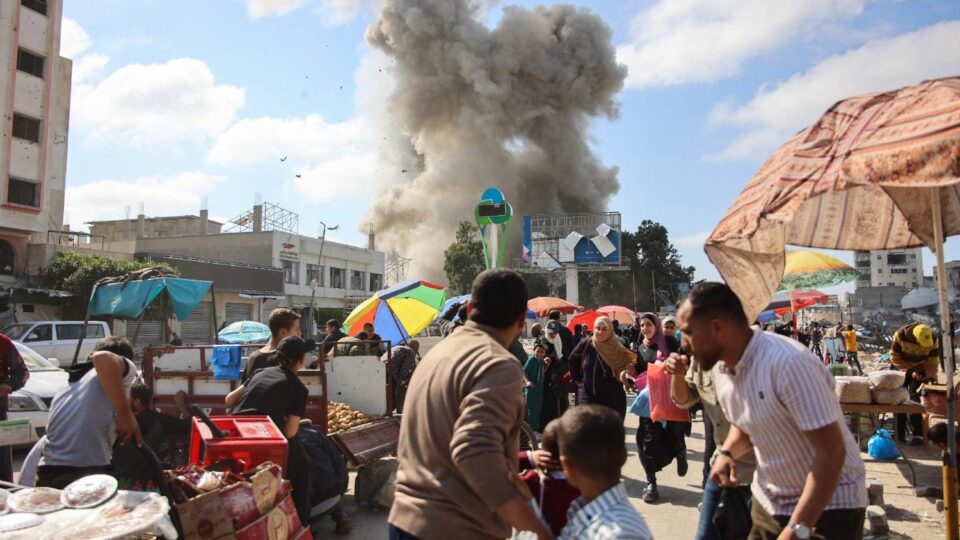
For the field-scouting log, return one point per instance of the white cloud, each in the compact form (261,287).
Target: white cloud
(174,101)
(778,111)
(350,175)
(683,41)
(89,67)
(163,195)
(258,140)
(694,240)
(74,40)
(272,8)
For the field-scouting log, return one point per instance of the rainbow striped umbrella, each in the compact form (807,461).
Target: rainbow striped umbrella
(398,312)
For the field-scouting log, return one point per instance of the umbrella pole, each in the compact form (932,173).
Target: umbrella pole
(946,342)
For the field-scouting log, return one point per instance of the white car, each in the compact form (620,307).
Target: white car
(33,400)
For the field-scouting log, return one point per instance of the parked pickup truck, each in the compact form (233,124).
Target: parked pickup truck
(57,340)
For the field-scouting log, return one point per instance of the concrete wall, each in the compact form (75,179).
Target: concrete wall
(123,229)
(245,248)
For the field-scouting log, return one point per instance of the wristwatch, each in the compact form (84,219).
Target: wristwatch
(801,531)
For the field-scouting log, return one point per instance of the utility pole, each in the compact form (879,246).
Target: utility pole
(633,279)
(314,283)
(653,283)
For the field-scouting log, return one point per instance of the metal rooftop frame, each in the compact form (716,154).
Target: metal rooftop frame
(274,218)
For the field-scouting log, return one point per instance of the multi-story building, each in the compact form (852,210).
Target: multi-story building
(35,97)
(890,268)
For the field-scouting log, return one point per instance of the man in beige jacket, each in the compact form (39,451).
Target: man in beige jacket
(459,436)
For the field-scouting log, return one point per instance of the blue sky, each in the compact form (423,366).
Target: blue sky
(177,100)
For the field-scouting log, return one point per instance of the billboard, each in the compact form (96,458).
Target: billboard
(551,242)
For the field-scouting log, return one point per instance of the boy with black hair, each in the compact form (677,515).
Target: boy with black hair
(334,334)
(283,323)
(592,452)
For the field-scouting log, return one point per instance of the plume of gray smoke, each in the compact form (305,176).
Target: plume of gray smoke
(507,107)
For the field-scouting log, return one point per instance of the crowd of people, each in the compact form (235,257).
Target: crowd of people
(778,462)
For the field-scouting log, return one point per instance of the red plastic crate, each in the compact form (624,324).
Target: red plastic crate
(250,440)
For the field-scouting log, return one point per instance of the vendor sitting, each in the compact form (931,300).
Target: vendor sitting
(277,392)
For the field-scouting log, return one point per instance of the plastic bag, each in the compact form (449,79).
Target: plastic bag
(881,446)
(662,406)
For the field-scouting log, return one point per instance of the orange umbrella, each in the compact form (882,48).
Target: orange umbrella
(543,305)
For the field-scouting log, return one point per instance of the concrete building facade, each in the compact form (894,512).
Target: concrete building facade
(131,229)
(890,268)
(35,98)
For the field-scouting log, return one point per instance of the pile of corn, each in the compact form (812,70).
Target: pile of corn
(341,416)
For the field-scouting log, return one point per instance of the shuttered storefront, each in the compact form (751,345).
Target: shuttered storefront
(151,333)
(239,312)
(196,329)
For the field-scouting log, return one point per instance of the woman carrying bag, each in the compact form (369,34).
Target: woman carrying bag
(596,364)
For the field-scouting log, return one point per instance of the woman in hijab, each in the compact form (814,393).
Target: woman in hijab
(658,443)
(597,363)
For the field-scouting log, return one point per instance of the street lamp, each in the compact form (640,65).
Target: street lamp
(313,283)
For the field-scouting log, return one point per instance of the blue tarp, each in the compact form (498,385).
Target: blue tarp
(131,298)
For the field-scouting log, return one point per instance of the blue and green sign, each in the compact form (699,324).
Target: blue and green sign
(493,218)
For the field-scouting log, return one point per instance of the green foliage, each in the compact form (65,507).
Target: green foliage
(463,260)
(76,273)
(650,257)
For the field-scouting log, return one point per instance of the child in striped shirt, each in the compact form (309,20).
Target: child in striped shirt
(592,452)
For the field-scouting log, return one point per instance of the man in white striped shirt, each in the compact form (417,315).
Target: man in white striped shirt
(781,403)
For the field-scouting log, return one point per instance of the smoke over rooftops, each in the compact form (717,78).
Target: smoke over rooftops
(507,107)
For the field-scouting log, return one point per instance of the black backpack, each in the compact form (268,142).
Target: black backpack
(328,466)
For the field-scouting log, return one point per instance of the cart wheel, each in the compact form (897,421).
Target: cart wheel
(528,438)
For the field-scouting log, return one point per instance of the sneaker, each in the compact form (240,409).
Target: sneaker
(682,465)
(650,494)
(916,441)
(344,524)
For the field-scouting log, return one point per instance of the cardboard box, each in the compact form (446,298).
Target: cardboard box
(225,511)
(281,523)
(15,432)
(205,517)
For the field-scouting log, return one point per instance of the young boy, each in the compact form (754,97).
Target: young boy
(592,452)
(551,491)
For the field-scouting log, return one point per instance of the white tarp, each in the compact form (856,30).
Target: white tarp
(604,245)
(567,247)
(547,261)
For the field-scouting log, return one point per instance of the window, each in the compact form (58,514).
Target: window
(42,332)
(914,270)
(376,282)
(879,270)
(356,280)
(28,62)
(337,277)
(913,256)
(23,192)
(8,258)
(314,273)
(899,270)
(25,127)
(290,272)
(879,257)
(40,6)
(897,259)
(72,331)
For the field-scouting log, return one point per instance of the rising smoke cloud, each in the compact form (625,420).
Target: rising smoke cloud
(507,107)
